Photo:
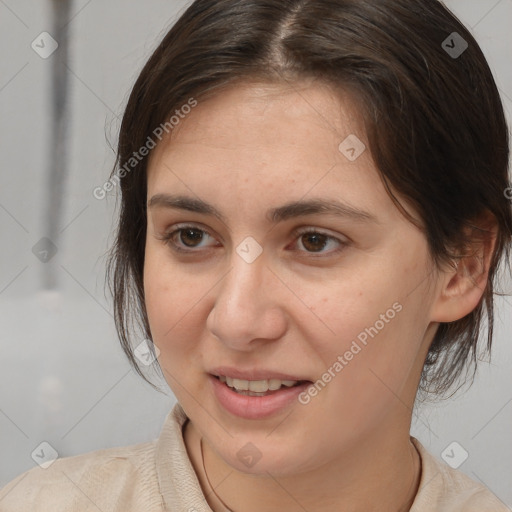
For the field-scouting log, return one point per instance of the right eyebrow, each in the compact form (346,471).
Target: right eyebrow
(181,202)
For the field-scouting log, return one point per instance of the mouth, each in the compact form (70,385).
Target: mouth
(256,398)
(264,387)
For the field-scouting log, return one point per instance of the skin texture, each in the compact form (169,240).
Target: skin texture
(251,148)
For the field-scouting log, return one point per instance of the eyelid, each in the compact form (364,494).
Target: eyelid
(320,231)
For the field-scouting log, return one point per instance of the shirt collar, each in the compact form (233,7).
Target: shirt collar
(177,479)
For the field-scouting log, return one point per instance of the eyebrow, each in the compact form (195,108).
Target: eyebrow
(274,215)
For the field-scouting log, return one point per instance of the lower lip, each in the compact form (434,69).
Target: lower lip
(255,407)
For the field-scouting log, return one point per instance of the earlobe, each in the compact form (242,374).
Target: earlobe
(464,284)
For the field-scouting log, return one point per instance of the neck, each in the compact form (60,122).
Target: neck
(381,473)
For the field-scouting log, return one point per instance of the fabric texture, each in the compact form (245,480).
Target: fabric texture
(158,476)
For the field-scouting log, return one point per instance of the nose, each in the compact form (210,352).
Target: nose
(248,309)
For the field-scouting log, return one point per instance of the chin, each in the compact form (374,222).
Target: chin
(261,458)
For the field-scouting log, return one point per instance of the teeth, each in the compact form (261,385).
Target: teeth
(274,384)
(257,386)
(241,384)
(260,386)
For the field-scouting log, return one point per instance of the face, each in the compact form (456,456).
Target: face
(245,280)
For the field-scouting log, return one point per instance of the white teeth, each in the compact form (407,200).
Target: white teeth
(258,386)
(241,384)
(274,384)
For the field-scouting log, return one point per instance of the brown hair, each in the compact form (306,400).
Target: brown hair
(434,120)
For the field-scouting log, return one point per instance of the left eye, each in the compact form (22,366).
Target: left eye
(315,241)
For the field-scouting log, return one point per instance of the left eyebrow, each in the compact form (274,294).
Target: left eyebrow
(274,215)
(319,206)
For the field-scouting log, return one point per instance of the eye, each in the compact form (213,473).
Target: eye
(186,238)
(315,241)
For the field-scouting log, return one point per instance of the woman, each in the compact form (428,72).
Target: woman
(313,216)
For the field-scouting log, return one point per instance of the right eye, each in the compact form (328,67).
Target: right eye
(186,238)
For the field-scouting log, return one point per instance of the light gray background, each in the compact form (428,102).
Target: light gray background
(63,377)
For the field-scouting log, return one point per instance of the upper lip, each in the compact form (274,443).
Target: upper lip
(253,374)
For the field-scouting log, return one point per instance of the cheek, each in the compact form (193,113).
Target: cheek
(166,299)
(350,309)
(375,334)
(171,321)
(175,304)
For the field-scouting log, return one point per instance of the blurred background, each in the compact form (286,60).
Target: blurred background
(66,69)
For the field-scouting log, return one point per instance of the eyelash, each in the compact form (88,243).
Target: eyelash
(167,238)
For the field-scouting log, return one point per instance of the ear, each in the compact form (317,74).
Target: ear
(463,285)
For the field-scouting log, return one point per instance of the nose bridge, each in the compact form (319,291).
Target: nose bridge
(245,305)
(244,289)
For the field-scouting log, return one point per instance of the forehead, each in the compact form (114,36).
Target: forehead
(260,142)
(238,111)
(299,123)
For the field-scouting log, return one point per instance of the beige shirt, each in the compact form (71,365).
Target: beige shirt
(158,476)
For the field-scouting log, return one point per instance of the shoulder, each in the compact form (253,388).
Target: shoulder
(102,479)
(445,489)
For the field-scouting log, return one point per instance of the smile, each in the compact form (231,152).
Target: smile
(256,387)
(256,399)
